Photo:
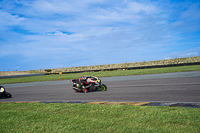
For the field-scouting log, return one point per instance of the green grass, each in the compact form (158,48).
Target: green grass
(101,74)
(84,118)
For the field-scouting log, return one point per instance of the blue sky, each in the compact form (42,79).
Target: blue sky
(41,34)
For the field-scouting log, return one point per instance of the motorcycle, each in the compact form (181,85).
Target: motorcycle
(95,84)
(4,93)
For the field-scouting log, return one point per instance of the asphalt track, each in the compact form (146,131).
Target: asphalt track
(180,87)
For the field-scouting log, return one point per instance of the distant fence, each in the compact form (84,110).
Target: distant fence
(111,69)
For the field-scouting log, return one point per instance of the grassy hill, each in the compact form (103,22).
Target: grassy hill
(107,66)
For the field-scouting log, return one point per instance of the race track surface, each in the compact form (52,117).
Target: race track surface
(169,87)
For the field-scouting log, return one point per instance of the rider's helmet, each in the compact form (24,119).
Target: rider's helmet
(84,78)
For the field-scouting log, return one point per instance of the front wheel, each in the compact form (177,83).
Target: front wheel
(102,87)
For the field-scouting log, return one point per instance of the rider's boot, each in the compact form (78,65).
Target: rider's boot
(84,89)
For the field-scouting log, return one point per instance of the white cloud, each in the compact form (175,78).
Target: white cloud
(57,33)
(7,19)
(136,7)
(187,53)
(47,16)
(189,20)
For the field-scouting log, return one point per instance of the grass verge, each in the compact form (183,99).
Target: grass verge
(65,117)
(101,74)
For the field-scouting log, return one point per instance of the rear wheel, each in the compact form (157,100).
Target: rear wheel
(8,95)
(102,87)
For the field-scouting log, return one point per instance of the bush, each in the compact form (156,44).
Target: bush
(48,70)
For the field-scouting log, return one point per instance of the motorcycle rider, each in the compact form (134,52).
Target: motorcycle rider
(85,83)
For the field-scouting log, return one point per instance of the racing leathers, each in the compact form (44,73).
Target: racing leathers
(84,81)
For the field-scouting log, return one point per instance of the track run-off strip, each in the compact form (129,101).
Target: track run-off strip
(121,103)
(169,104)
(95,102)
